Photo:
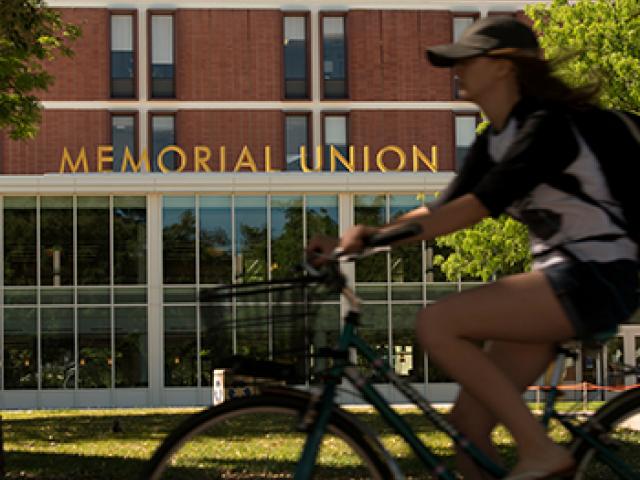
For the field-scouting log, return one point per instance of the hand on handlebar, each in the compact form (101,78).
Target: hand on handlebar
(322,249)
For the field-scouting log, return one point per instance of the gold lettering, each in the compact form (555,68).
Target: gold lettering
(223,158)
(303,160)
(350,165)
(366,152)
(127,159)
(267,160)
(431,164)
(105,155)
(201,157)
(172,148)
(73,167)
(245,159)
(395,149)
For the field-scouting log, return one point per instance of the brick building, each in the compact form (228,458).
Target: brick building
(181,146)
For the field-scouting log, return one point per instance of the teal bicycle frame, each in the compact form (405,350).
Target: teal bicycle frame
(349,339)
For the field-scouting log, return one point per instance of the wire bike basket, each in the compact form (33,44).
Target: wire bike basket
(264,329)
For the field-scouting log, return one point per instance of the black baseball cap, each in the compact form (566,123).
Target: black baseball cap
(488,36)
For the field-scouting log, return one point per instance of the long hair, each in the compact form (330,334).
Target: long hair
(538,78)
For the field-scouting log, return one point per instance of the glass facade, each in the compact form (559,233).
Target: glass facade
(79,312)
(74,294)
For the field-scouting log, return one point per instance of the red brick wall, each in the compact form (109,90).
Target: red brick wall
(229,54)
(233,129)
(85,76)
(60,128)
(403,128)
(386,55)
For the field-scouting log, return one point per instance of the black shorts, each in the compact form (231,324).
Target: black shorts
(596,296)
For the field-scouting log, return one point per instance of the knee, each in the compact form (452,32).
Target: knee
(431,329)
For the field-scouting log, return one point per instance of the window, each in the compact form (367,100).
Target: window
(296,135)
(465,136)
(334,58)
(336,135)
(162,61)
(162,135)
(123,64)
(123,136)
(460,24)
(296,55)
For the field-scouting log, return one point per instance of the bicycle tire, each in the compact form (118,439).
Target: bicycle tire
(283,408)
(612,423)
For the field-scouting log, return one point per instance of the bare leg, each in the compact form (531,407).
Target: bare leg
(521,308)
(523,364)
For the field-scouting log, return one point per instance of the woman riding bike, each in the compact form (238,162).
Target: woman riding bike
(585,276)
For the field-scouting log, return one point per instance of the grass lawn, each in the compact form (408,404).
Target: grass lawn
(81,444)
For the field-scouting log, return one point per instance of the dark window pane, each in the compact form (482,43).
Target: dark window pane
(180,368)
(286,234)
(122,57)
(162,62)
(94,348)
(122,80)
(374,329)
(58,359)
(56,241)
(179,240)
(322,215)
(130,240)
(131,346)
(465,136)
(94,254)
(335,134)
(20,241)
(216,338)
(20,349)
(334,61)
(295,57)
(163,135)
(406,260)
(296,135)
(370,210)
(251,238)
(123,135)
(215,239)
(253,331)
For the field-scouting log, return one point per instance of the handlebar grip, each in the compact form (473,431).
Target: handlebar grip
(391,235)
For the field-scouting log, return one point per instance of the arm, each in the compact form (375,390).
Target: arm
(460,213)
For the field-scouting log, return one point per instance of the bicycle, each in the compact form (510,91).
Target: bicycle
(318,430)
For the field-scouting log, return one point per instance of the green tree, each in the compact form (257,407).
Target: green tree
(599,40)
(30,34)
(603,38)
(494,247)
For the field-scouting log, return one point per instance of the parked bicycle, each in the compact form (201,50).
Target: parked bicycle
(305,434)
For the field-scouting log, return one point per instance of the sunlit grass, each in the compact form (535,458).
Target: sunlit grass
(82,444)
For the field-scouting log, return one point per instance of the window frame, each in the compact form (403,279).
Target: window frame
(309,116)
(150,116)
(136,130)
(136,89)
(461,113)
(307,31)
(150,15)
(321,17)
(475,16)
(336,113)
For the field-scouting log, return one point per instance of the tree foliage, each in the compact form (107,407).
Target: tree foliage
(598,40)
(492,247)
(30,34)
(603,37)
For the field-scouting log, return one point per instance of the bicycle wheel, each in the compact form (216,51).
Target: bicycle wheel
(259,437)
(617,424)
